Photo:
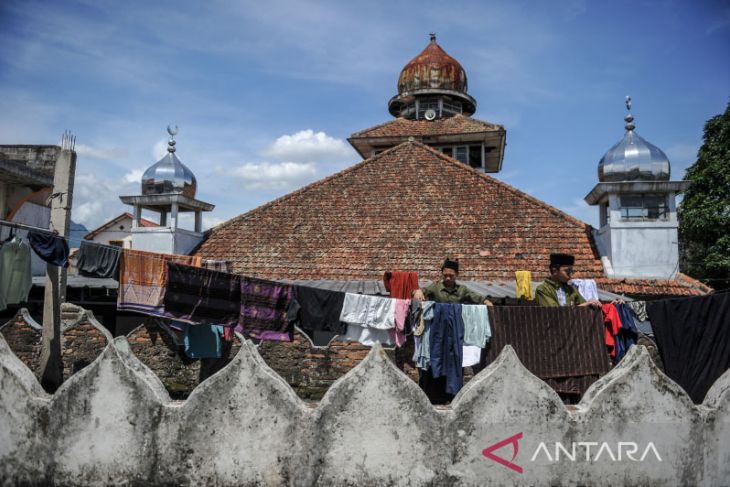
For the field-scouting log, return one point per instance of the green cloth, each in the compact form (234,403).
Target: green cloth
(547,294)
(459,294)
(15,275)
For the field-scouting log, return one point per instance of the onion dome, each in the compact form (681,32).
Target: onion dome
(169,175)
(433,72)
(633,158)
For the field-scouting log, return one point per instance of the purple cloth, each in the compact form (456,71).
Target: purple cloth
(265,309)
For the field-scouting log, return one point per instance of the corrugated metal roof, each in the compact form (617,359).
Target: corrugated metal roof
(491,289)
(80,282)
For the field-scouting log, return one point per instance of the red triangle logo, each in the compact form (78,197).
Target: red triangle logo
(513,440)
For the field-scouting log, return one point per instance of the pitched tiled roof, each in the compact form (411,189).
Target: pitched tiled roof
(402,127)
(404,209)
(143,222)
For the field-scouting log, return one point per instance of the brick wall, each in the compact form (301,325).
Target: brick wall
(82,339)
(24,339)
(156,349)
(311,370)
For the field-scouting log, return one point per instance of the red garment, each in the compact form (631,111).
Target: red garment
(227,334)
(612,320)
(400,284)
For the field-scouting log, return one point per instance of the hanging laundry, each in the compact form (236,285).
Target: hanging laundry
(51,248)
(218,265)
(425,316)
(471,355)
(202,341)
(268,309)
(564,346)
(94,260)
(524,285)
(402,307)
(627,333)
(693,335)
(228,334)
(196,295)
(143,279)
(422,349)
(476,324)
(369,319)
(639,309)
(400,284)
(319,310)
(586,287)
(612,323)
(447,341)
(15,272)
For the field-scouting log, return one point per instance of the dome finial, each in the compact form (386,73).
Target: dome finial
(171,143)
(629,118)
(433,36)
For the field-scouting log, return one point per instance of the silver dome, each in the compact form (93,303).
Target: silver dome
(169,175)
(633,158)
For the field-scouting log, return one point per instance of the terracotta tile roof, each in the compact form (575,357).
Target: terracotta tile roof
(681,286)
(402,127)
(406,209)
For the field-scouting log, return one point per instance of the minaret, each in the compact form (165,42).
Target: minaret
(168,188)
(637,237)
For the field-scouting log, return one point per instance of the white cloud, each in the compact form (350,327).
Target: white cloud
(272,175)
(310,146)
(134,176)
(96,199)
(100,154)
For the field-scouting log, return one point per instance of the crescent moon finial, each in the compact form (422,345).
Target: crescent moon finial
(171,131)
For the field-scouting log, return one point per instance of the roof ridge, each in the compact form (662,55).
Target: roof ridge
(363,132)
(507,186)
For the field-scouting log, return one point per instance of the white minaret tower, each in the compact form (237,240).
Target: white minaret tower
(637,237)
(168,188)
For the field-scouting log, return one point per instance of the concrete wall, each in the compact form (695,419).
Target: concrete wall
(113,423)
(164,240)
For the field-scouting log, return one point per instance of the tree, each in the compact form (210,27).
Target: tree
(704,214)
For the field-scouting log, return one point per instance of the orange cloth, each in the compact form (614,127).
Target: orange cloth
(400,284)
(143,278)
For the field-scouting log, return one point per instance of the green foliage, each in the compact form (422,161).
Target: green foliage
(704,214)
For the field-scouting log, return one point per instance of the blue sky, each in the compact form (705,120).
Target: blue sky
(266,93)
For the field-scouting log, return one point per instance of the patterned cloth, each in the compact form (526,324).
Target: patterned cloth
(267,309)
(564,346)
(196,295)
(143,279)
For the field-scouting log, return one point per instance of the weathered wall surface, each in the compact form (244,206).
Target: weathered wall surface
(113,423)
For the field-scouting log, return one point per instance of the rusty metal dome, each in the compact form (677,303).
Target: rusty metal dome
(432,73)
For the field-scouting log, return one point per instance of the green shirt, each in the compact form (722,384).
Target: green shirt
(547,294)
(459,294)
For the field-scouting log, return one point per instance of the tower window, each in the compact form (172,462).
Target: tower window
(637,207)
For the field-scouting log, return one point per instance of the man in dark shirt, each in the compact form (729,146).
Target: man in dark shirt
(447,290)
(556,290)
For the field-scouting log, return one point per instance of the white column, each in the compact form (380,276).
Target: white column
(137,216)
(198,221)
(173,216)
